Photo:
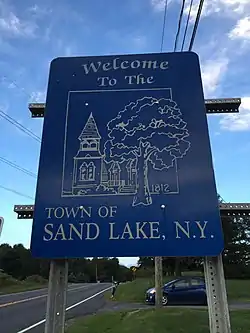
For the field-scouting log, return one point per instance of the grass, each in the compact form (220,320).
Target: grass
(8,284)
(160,321)
(25,286)
(238,290)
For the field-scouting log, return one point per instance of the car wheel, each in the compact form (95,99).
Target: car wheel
(164,300)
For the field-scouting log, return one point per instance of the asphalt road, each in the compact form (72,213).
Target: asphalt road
(22,312)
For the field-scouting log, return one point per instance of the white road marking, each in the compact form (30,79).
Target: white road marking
(23,292)
(36,297)
(29,291)
(67,309)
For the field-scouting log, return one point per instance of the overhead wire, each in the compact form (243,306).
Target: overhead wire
(179,25)
(16,192)
(164,24)
(17,167)
(15,84)
(28,132)
(197,20)
(22,128)
(187,24)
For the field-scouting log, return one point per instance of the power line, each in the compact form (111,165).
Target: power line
(15,84)
(187,23)
(164,24)
(17,167)
(196,25)
(179,25)
(16,192)
(22,128)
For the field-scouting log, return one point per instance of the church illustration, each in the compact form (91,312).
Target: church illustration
(92,175)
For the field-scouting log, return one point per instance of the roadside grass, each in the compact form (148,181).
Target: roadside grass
(237,290)
(164,320)
(8,284)
(23,286)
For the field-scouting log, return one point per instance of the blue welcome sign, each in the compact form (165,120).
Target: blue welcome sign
(125,166)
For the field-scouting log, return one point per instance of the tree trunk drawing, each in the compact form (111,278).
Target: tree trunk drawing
(142,196)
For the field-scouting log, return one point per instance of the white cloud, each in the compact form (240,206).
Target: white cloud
(38,96)
(39,11)
(224,7)
(158,5)
(237,6)
(212,72)
(207,9)
(241,29)
(240,121)
(12,25)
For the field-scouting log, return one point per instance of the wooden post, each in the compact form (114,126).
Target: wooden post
(57,292)
(96,273)
(158,282)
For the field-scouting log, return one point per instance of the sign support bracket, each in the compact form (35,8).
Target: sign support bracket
(219,319)
(57,294)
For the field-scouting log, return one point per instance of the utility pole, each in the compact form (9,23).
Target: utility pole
(57,292)
(96,273)
(158,282)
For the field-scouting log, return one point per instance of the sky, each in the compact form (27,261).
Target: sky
(33,32)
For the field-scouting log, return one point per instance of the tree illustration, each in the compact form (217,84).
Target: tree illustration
(150,131)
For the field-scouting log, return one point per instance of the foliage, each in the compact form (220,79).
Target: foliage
(35,279)
(135,291)
(160,321)
(6,280)
(237,249)
(236,256)
(151,133)
(8,284)
(18,262)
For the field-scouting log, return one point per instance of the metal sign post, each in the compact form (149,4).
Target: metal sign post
(219,319)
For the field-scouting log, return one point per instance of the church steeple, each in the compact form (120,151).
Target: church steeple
(90,130)
(90,136)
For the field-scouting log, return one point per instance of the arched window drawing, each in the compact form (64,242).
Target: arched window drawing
(87,171)
(93,145)
(83,171)
(91,171)
(85,145)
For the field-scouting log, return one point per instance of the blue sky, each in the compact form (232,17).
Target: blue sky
(32,33)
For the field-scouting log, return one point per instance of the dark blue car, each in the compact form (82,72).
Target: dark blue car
(182,291)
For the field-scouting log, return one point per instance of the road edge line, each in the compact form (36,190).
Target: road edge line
(67,309)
